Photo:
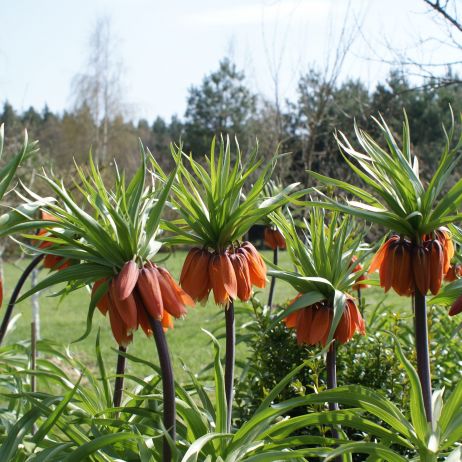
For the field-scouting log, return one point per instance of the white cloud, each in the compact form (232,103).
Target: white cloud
(256,13)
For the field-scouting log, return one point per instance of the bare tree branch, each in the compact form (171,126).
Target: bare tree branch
(442,10)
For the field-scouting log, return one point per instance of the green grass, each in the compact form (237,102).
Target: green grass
(64,321)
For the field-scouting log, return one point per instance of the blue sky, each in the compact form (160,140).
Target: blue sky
(168,46)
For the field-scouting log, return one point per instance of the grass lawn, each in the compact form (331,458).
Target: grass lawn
(64,321)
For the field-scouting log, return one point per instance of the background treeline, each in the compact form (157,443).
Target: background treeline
(224,104)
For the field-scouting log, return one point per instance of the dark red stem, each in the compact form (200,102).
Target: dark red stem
(119,381)
(273,280)
(168,385)
(229,360)
(331,367)
(421,344)
(15,295)
(33,354)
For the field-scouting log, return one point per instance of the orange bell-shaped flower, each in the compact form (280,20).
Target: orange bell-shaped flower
(194,277)
(454,272)
(223,278)
(241,270)
(151,292)
(274,239)
(456,307)
(312,323)
(257,267)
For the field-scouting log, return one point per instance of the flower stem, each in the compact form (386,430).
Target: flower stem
(33,363)
(229,361)
(273,279)
(331,367)
(15,295)
(33,354)
(423,359)
(360,300)
(168,385)
(119,381)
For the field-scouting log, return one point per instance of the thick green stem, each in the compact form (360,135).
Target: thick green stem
(421,344)
(273,280)
(229,360)
(15,295)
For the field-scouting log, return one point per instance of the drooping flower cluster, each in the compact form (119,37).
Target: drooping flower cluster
(454,272)
(405,266)
(274,239)
(313,322)
(362,277)
(229,274)
(456,307)
(53,262)
(133,293)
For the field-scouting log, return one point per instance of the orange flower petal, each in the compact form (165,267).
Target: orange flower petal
(257,267)
(280,240)
(241,269)
(222,278)
(180,293)
(453,273)
(420,268)
(356,317)
(44,244)
(343,331)
(142,316)
(150,293)
(274,239)
(103,302)
(167,321)
(291,320)
(376,262)
(229,276)
(320,325)
(448,253)
(125,281)
(187,265)
(444,237)
(47,216)
(66,264)
(119,329)
(456,307)
(269,238)
(173,301)
(436,266)
(127,308)
(51,261)
(402,274)
(326,335)
(304,325)
(195,274)
(386,268)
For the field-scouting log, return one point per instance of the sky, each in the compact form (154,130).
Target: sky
(166,47)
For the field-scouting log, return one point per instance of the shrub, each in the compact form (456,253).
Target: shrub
(368,361)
